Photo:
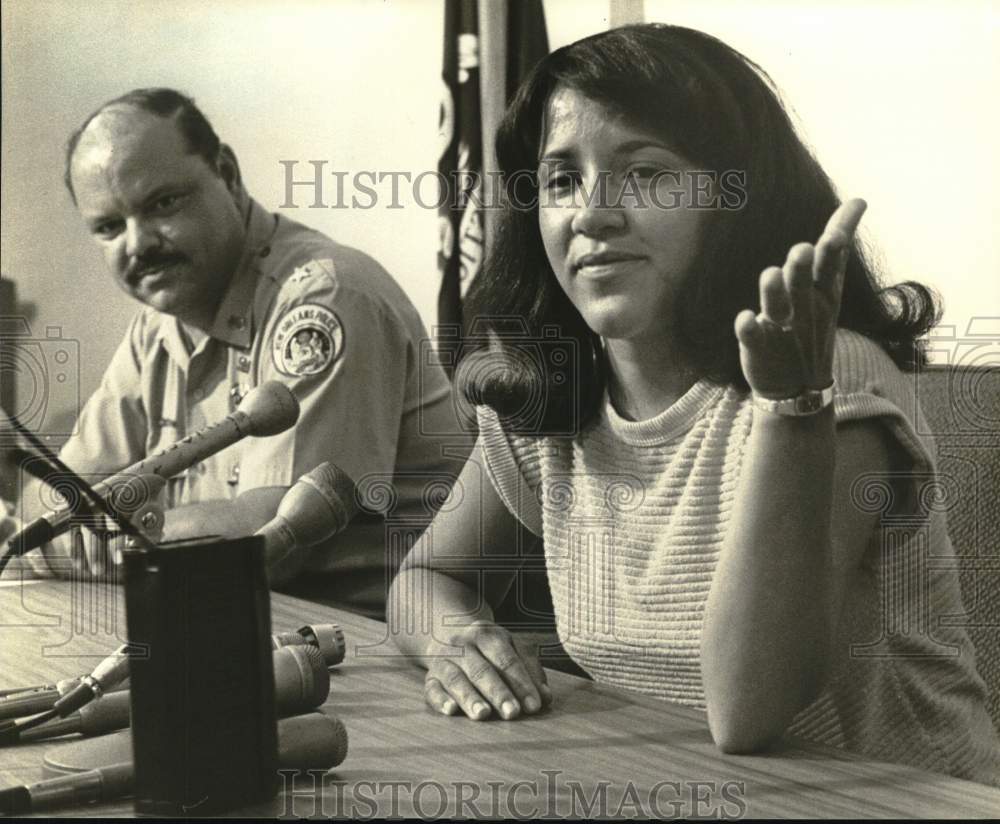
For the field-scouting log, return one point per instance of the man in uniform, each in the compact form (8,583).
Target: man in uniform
(235,296)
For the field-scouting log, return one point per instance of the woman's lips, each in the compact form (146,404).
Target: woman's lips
(595,266)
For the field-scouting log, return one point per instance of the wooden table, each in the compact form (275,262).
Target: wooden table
(599,752)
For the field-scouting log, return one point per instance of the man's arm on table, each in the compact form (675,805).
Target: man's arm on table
(236,519)
(216,518)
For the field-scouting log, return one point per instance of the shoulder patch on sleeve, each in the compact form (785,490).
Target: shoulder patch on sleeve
(322,265)
(307,340)
(311,270)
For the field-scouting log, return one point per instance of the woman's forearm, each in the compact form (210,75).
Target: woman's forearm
(424,606)
(768,621)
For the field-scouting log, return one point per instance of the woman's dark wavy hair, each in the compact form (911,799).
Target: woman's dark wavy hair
(722,112)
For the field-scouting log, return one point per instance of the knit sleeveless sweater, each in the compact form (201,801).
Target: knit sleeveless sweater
(633,516)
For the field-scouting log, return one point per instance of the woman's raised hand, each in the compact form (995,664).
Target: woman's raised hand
(787,348)
(490,671)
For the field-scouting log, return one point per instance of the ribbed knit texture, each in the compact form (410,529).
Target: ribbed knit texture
(634,515)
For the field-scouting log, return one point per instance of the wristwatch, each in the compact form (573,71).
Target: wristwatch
(808,403)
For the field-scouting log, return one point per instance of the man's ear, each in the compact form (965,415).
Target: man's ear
(229,170)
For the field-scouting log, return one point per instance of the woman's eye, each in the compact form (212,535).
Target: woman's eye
(562,180)
(556,176)
(643,172)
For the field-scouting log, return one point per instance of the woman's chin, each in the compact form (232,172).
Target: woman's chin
(613,323)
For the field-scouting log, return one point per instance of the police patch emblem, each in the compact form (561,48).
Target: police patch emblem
(308,339)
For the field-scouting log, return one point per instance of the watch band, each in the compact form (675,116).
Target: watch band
(808,403)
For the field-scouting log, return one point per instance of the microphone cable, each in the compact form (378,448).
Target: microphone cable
(10,731)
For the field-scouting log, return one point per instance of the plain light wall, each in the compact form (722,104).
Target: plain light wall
(898,100)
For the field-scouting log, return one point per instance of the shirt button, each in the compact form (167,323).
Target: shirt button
(237,322)
(265,251)
(243,361)
(234,474)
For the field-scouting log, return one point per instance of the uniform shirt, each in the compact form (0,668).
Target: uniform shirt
(332,325)
(634,516)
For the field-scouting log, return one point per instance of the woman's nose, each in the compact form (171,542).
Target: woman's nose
(598,208)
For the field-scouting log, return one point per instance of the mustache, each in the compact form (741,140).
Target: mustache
(152,261)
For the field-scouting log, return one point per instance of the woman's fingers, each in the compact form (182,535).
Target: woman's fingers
(437,696)
(798,282)
(830,257)
(535,671)
(748,331)
(834,246)
(477,686)
(846,218)
(775,304)
(490,674)
(457,683)
(493,682)
(789,343)
(507,659)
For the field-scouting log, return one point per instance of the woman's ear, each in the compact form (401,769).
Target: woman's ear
(229,170)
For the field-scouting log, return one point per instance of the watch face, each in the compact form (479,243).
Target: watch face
(809,403)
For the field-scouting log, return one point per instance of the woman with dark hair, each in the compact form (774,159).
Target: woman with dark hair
(707,501)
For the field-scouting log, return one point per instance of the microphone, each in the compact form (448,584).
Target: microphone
(109,673)
(301,683)
(314,741)
(301,680)
(318,505)
(30,700)
(328,639)
(266,410)
(97,718)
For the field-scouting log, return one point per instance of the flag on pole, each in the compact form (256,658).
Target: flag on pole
(460,228)
(489,48)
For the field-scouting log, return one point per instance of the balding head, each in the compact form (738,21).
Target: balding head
(199,136)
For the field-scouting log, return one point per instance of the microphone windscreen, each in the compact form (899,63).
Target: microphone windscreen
(301,679)
(310,742)
(328,639)
(337,489)
(270,408)
(105,714)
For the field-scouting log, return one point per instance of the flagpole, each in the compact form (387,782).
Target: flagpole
(625,12)
(490,46)
(492,100)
